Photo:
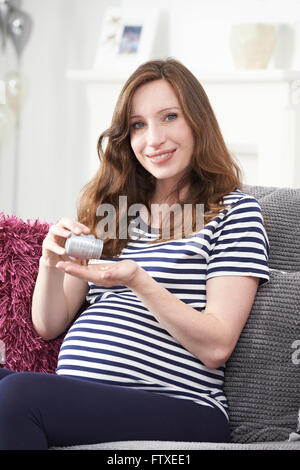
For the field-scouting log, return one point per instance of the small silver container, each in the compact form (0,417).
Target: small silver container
(84,246)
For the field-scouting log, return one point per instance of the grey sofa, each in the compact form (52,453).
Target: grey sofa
(262,379)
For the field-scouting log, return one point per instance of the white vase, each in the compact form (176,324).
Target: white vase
(252,45)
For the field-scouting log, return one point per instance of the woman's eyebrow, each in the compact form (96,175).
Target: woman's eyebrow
(134,116)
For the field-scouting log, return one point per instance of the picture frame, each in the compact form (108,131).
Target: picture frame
(126,40)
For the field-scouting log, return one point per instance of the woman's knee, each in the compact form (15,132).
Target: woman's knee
(21,424)
(17,393)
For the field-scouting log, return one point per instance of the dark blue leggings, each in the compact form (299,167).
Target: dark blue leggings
(38,411)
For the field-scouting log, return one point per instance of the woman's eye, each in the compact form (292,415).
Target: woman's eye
(137,125)
(171,117)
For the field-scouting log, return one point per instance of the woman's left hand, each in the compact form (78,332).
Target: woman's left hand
(123,272)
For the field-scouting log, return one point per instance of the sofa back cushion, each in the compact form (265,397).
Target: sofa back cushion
(262,377)
(281,210)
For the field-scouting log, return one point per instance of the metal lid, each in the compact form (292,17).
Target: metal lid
(84,246)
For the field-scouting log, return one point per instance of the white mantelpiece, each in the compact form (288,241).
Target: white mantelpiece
(258,112)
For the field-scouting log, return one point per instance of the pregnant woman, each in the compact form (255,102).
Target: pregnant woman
(145,360)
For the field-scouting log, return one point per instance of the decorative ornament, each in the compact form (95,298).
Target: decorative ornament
(252,45)
(16,88)
(6,7)
(19,28)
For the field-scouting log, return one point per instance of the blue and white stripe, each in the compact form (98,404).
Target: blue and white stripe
(118,341)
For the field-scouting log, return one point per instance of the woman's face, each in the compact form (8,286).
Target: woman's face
(160,136)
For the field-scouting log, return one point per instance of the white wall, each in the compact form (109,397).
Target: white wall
(54,129)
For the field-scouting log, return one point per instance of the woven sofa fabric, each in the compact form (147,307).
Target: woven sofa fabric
(281,209)
(176,445)
(262,378)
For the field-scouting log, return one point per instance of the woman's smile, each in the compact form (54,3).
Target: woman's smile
(162,157)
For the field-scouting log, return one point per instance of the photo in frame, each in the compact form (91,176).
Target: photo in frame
(126,39)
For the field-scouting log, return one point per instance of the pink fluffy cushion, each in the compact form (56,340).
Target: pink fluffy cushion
(20,250)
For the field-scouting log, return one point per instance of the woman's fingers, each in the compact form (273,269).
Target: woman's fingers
(106,274)
(92,273)
(57,249)
(54,242)
(60,231)
(72,225)
(63,229)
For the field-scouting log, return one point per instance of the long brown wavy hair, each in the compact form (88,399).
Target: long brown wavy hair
(213,173)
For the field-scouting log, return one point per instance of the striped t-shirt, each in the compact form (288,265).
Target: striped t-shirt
(118,341)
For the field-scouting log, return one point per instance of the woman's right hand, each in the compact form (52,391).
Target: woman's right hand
(53,247)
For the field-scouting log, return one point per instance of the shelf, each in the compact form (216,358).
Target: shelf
(249,76)
(234,76)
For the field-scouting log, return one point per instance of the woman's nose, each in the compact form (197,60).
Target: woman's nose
(155,135)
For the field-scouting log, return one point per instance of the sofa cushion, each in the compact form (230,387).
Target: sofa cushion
(281,209)
(262,377)
(21,248)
